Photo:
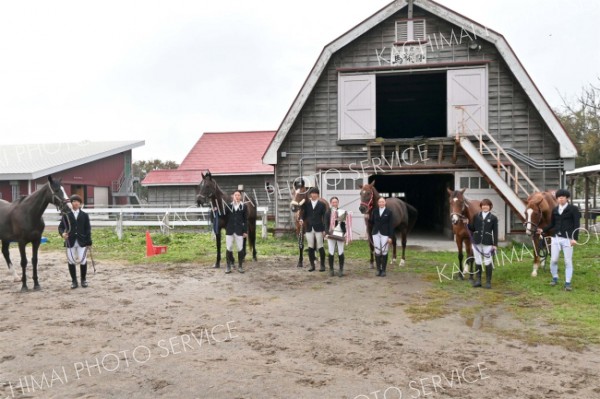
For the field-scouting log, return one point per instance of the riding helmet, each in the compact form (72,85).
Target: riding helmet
(76,197)
(562,193)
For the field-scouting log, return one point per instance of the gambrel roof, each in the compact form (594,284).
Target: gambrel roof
(567,148)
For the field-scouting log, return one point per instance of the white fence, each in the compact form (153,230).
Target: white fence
(166,218)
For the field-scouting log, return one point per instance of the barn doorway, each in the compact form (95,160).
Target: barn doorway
(411,105)
(427,193)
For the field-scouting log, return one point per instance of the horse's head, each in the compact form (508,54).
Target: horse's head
(458,205)
(58,196)
(207,189)
(298,199)
(533,213)
(368,195)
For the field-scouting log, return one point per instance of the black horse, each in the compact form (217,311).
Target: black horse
(22,221)
(209,190)
(404,217)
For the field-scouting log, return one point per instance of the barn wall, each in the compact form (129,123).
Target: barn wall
(512,119)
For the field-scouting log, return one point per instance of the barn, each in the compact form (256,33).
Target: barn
(100,172)
(233,158)
(419,98)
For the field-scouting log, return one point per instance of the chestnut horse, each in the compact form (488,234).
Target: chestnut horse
(538,215)
(462,213)
(301,195)
(22,221)
(219,201)
(404,217)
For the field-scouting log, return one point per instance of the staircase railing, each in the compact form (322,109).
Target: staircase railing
(499,154)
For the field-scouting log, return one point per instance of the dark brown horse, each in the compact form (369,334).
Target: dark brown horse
(22,221)
(538,215)
(462,212)
(404,217)
(301,195)
(209,191)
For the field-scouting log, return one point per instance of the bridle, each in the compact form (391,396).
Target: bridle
(535,226)
(368,205)
(461,217)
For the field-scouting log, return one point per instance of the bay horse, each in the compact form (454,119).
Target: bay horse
(299,198)
(462,212)
(22,221)
(404,217)
(209,190)
(538,214)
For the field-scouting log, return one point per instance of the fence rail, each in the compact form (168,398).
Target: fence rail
(166,218)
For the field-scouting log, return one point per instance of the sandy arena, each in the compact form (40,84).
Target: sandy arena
(190,331)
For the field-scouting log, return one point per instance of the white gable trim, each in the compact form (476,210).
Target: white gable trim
(567,148)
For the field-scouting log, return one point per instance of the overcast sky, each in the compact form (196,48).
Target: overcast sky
(166,71)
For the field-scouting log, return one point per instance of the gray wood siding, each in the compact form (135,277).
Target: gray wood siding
(254,186)
(512,119)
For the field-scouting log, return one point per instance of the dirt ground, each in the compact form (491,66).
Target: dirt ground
(190,331)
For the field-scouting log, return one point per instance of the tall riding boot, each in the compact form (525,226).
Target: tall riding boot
(83,269)
(230,261)
(384,260)
(241,261)
(322,258)
(341,259)
(378,264)
(330,257)
(73,273)
(488,276)
(478,270)
(311,259)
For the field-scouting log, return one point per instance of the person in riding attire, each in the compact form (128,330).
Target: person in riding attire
(314,217)
(236,231)
(565,223)
(485,241)
(382,234)
(76,230)
(332,216)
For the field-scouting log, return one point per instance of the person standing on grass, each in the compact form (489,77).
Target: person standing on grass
(382,235)
(485,241)
(565,223)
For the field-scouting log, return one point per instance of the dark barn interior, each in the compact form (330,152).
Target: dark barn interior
(427,193)
(411,105)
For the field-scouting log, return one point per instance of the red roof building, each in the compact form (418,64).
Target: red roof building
(235,158)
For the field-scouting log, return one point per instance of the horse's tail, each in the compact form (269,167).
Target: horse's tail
(413,214)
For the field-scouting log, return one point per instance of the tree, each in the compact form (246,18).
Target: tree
(142,168)
(581,119)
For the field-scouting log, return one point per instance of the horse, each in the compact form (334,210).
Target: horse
(300,196)
(22,221)
(404,218)
(462,213)
(218,200)
(538,215)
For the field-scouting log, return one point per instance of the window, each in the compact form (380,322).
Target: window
(474,183)
(410,30)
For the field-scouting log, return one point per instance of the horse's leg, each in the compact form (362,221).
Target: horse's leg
(23,265)
(300,235)
(372,248)
(394,246)
(536,257)
(403,260)
(35,246)
(6,253)
(218,261)
(470,258)
(252,236)
(459,246)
